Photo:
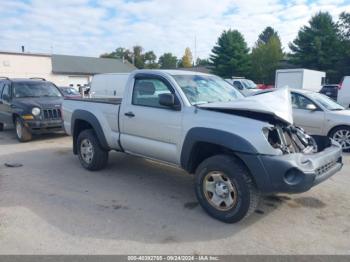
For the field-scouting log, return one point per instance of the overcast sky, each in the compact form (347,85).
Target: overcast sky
(91,27)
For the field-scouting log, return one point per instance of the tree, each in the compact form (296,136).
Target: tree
(202,62)
(344,31)
(265,57)
(187,58)
(139,59)
(167,61)
(266,35)
(230,55)
(150,60)
(317,45)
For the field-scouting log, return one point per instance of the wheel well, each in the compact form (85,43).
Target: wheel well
(336,127)
(204,150)
(14,116)
(79,126)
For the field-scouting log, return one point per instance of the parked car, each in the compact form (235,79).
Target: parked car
(344,92)
(69,92)
(246,86)
(330,91)
(237,147)
(33,106)
(318,115)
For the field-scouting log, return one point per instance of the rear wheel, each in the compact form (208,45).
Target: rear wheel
(341,135)
(91,155)
(22,132)
(224,189)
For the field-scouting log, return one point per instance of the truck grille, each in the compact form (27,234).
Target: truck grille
(52,114)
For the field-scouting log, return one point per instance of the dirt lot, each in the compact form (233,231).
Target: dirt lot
(51,205)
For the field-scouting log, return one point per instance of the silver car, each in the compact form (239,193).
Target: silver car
(320,115)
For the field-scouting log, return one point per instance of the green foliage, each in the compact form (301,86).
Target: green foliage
(186,60)
(344,30)
(318,46)
(265,57)
(230,55)
(266,35)
(167,61)
(150,60)
(202,62)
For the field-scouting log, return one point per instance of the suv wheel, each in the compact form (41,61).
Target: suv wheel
(341,134)
(22,133)
(224,189)
(91,155)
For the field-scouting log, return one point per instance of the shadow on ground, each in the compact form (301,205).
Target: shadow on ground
(133,199)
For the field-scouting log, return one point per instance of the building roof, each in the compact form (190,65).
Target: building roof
(65,64)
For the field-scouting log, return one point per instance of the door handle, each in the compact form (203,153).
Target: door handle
(129,114)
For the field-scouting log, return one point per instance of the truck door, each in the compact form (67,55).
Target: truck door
(148,128)
(311,120)
(5,107)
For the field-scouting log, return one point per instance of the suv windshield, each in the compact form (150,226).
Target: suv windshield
(202,89)
(326,101)
(35,89)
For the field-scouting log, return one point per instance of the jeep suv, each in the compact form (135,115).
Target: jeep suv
(33,106)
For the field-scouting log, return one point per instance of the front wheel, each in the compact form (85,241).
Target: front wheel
(224,189)
(91,155)
(341,135)
(22,132)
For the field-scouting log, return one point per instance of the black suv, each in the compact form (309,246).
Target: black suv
(33,106)
(330,90)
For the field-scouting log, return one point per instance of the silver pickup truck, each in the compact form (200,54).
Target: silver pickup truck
(238,147)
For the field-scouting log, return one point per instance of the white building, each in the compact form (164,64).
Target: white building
(63,70)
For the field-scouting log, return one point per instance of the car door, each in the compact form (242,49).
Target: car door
(148,128)
(311,120)
(5,105)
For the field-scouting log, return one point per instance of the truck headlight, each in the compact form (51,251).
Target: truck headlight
(36,111)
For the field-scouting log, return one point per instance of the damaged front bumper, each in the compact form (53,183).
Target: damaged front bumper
(294,173)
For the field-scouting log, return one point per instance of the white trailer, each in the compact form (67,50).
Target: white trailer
(300,79)
(108,85)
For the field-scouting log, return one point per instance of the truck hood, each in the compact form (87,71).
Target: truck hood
(272,105)
(41,102)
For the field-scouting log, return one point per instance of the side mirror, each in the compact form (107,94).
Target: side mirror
(167,100)
(311,107)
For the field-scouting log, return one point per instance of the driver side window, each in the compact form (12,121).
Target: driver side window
(301,102)
(146,92)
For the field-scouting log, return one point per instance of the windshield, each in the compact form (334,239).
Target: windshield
(326,102)
(69,91)
(202,89)
(35,89)
(249,84)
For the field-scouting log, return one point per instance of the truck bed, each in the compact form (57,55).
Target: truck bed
(106,110)
(107,100)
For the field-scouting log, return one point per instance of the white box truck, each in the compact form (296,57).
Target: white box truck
(300,79)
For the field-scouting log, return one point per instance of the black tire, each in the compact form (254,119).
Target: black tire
(99,157)
(247,197)
(23,134)
(333,133)
(1,127)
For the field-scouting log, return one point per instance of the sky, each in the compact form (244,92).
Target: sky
(93,27)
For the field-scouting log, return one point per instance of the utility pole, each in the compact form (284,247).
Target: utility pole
(195,50)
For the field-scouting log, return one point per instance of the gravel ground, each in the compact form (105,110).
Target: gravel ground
(51,205)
